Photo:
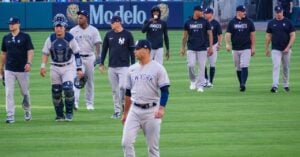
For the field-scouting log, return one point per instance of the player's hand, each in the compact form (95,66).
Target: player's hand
(102,68)
(210,51)
(43,72)
(160,112)
(182,51)
(268,53)
(123,119)
(252,51)
(286,50)
(2,72)
(218,47)
(27,67)
(80,73)
(168,55)
(228,48)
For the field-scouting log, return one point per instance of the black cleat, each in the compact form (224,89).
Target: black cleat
(287,89)
(243,88)
(274,90)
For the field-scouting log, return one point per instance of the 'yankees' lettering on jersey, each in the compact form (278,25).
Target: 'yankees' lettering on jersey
(280,30)
(61,49)
(155,32)
(216,30)
(16,48)
(121,46)
(240,33)
(145,81)
(197,34)
(87,38)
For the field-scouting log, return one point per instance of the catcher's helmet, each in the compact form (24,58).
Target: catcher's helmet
(60,19)
(80,83)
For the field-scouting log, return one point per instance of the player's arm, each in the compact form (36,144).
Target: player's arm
(253,41)
(267,44)
(131,49)
(30,54)
(166,39)
(228,41)
(183,42)
(43,64)
(292,40)
(103,54)
(127,105)
(164,96)
(98,52)
(210,39)
(3,61)
(146,25)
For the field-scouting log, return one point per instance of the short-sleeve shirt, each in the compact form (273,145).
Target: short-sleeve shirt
(197,34)
(145,81)
(16,48)
(216,30)
(86,38)
(240,33)
(280,30)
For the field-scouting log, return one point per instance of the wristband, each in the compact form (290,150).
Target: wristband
(43,65)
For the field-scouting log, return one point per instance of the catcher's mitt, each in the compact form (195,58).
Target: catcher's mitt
(80,83)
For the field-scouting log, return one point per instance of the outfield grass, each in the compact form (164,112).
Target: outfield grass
(219,122)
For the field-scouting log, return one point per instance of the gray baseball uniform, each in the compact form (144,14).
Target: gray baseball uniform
(86,39)
(144,83)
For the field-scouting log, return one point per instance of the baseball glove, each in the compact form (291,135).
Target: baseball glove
(80,83)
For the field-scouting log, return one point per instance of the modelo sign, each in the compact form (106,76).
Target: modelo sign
(132,14)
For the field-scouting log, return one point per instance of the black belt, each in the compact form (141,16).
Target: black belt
(145,106)
(60,65)
(85,55)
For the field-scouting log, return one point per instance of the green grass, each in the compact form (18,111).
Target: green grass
(219,122)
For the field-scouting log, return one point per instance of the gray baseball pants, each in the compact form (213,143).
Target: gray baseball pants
(117,79)
(23,80)
(157,55)
(241,58)
(279,57)
(201,57)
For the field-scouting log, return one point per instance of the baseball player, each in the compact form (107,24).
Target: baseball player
(144,107)
(16,58)
(281,32)
(156,30)
(121,45)
(88,38)
(198,36)
(217,41)
(241,33)
(61,46)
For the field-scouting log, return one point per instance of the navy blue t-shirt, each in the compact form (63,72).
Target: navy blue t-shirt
(197,34)
(155,32)
(216,30)
(16,51)
(121,46)
(240,33)
(280,30)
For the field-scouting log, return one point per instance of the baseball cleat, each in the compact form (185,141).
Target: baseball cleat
(287,89)
(116,115)
(90,108)
(76,106)
(209,85)
(200,89)
(10,119)
(243,88)
(274,90)
(69,117)
(59,119)
(193,86)
(27,116)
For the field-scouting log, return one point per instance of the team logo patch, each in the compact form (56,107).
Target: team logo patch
(121,41)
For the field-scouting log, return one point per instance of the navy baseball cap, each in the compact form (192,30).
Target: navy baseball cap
(83,12)
(198,8)
(209,11)
(13,20)
(278,9)
(115,19)
(59,23)
(241,8)
(143,44)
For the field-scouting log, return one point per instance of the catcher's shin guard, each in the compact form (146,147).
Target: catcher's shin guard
(57,100)
(69,96)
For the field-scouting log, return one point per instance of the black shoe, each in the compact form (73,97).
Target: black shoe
(287,89)
(59,119)
(243,88)
(274,90)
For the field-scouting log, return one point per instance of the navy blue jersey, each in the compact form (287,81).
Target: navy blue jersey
(121,46)
(16,49)
(240,33)
(197,34)
(216,30)
(155,32)
(280,30)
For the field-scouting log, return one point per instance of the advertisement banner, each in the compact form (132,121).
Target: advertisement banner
(133,14)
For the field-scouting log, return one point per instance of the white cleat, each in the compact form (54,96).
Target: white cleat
(209,85)
(200,89)
(90,108)
(193,86)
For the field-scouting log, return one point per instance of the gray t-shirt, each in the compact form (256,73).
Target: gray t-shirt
(145,81)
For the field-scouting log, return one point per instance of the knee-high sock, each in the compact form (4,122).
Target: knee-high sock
(212,71)
(206,76)
(238,73)
(244,76)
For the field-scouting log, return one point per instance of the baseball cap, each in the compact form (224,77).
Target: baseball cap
(241,8)
(209,11)
(198,8)
(83,12)
(115,19)
(59,23)
(13,20)
(278,9)
(143,44)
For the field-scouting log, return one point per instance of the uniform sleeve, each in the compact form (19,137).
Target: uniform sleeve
(163,79)
(29,45)
(269,30)
(186,26)
(230,27)
(74,46)
(292,27)
(166,36)
(104,50)
(146,26)
(131,48)
(97,37)
(3,47)
(47,46)
(207,25)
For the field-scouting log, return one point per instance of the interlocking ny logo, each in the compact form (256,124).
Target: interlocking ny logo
(121,41)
